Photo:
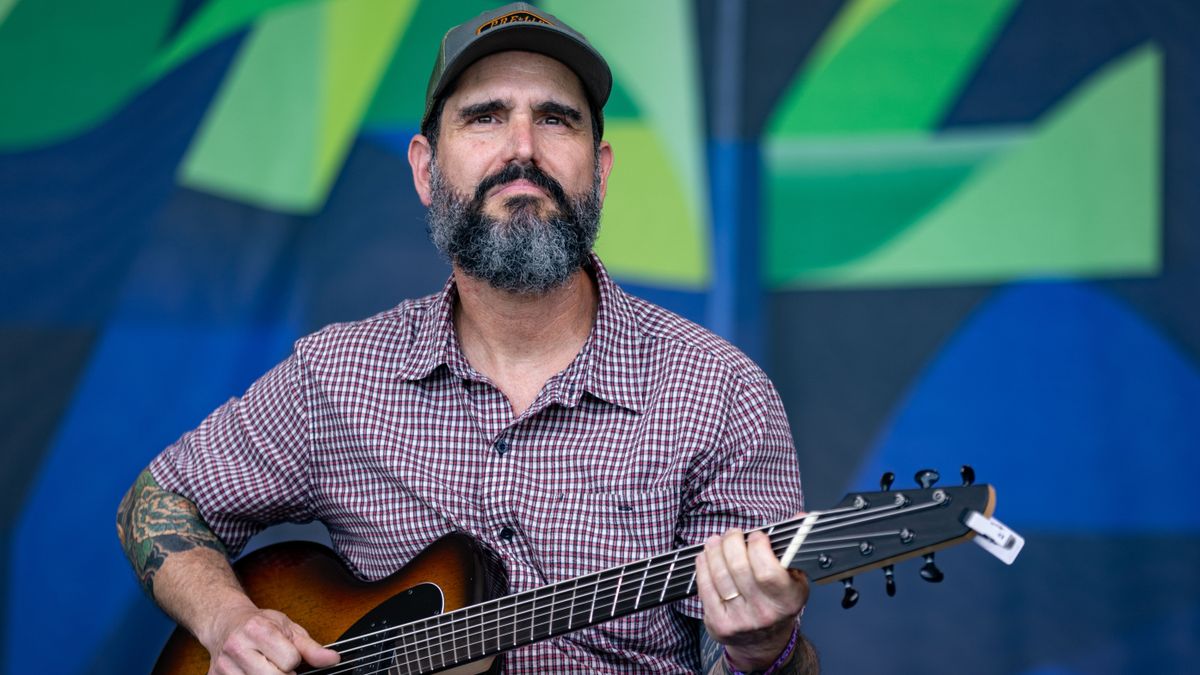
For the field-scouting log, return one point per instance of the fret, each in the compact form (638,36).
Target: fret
(474,652)
(637,602)
(402,647)
(571,611)
(562,604)
(595,589)
(513,613)
(422,637)
(667,582)
(437,645)
(617,595)
(459,651)
(491,629)
(522,621)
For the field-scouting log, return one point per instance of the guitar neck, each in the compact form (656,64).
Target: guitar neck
(863,531)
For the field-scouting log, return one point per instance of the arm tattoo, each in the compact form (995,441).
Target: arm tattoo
(152,523)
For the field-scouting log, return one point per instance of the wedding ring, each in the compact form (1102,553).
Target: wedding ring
(730,598)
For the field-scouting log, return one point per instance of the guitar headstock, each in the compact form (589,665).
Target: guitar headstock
(869,530)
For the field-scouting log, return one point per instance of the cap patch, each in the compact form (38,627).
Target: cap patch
(512,17)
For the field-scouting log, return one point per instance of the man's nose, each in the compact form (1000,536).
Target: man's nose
(521,139)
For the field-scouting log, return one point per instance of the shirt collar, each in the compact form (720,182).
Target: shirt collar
(607,367)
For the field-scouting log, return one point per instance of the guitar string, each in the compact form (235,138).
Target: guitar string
(390,653)
(438,623)
(527,597)
(832,516)
(589,583)
(451,640)
(388,656)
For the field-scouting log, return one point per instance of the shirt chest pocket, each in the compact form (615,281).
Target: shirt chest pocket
(591,531)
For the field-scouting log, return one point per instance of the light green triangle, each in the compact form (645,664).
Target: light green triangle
(280,127)
(361,37)
(889,67)
(6,6)
(1080,198)
(215,20)
(831,201)
(651,49)
(258,141)
(647,232)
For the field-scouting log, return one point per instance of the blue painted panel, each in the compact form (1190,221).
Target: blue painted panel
(1082,414)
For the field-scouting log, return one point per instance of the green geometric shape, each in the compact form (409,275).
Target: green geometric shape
(399,101)
(1080,197)
(66,65)
(215,20)
(648,228)
(834,201)
(285,117)
(6,7)
(889,68)
(655,61)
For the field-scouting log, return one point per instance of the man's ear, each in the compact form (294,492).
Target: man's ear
(420,158)
(606,163)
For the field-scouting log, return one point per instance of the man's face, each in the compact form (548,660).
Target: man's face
(517,182)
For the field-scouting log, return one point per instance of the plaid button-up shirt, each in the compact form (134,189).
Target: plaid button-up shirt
(656,436)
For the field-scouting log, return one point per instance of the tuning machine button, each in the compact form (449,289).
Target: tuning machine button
(930,571)
(886,480)
(889,574)
(927,478)
(968,475)
(850,595)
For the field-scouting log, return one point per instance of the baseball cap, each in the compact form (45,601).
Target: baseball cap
(522,27)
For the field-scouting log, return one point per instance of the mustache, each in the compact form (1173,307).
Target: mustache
(529,172)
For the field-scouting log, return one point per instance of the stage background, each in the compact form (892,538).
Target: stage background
(954,232)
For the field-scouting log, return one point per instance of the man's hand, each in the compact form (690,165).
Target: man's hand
(253,641)
(750,601)
(182,564)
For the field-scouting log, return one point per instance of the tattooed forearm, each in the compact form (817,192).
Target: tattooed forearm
(153,523)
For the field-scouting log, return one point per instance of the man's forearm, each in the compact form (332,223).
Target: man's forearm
(176,557)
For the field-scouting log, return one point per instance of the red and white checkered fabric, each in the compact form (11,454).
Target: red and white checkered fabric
(656,436)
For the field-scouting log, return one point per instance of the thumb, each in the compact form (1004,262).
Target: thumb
(313,653)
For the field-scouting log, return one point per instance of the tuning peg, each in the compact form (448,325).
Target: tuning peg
(889,573)
(968,475)
(930,571)
(926,478)
(850,596)
(886,480)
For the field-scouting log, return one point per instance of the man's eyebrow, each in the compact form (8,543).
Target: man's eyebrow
(560,109)
(482,108)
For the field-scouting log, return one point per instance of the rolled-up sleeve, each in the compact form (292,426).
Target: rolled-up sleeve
(247,465)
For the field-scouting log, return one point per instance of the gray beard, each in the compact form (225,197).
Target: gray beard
(522,253)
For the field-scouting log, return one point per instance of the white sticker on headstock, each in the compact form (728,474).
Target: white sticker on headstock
(995,537)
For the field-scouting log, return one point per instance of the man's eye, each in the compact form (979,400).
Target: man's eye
(483,119)
(554,120)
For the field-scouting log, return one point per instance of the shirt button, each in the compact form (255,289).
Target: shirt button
(507,533)
(501,447)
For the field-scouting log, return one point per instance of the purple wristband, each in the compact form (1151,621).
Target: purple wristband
(783,657)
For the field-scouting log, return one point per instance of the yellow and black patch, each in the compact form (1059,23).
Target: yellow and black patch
(511,18)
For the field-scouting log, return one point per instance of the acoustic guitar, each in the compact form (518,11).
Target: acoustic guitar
(444,611)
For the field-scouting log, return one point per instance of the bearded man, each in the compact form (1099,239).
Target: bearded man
(531,404)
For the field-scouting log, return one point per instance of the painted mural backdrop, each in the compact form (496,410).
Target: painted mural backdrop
(953,232)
